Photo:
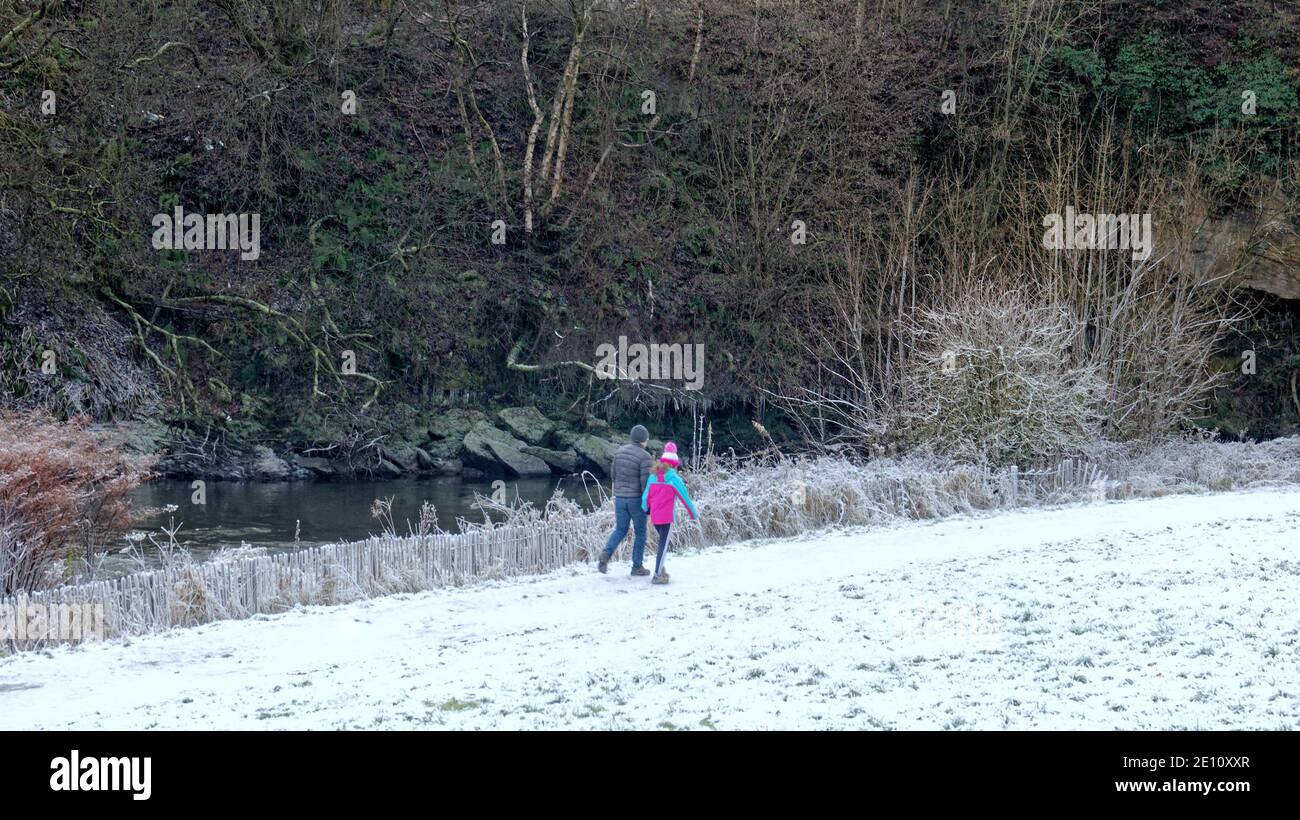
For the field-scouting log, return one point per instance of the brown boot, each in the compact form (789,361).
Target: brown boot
(661,578)
(640,571)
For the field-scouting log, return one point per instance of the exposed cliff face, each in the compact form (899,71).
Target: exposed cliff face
(1274,264)
(1256,248)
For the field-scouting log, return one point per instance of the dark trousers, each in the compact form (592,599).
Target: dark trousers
(663,530)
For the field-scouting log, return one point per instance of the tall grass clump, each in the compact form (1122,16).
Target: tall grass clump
(780,497)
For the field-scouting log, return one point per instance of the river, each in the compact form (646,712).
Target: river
(268,515)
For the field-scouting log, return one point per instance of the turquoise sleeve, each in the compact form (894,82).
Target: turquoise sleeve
(645,494)
(686,496)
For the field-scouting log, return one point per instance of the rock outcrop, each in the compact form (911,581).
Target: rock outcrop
(563,462)
(527,423)
(597,453)
(496,452)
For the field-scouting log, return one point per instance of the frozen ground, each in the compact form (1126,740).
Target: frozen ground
(1180,612)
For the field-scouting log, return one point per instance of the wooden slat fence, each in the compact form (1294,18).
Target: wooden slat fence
(195,593)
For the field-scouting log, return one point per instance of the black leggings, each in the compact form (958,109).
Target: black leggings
(662,529)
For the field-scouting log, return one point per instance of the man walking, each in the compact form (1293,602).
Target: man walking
(630,471)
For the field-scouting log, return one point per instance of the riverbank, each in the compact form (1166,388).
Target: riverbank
(1092,616)
(474,444)
(773,497)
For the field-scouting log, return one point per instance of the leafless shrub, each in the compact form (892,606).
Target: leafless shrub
(992,377)
(1140,333)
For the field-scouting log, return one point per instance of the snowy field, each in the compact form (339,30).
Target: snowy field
(1180,612)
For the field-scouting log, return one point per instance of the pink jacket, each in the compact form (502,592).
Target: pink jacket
(661,494)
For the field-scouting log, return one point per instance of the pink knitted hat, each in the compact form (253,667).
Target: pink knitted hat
(670,454)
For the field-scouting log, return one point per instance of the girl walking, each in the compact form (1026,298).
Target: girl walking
(662,491)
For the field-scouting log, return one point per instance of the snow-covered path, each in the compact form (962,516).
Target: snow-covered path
(1180,612)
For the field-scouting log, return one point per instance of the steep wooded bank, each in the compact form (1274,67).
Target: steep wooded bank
(653,168)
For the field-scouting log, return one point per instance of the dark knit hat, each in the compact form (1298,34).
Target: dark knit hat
(640,435)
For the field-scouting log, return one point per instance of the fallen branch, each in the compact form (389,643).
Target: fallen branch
(512,362)
(163,50)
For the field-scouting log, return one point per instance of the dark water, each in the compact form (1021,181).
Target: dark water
(265,515)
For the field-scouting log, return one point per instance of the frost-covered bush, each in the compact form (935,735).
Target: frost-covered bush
(992,378)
